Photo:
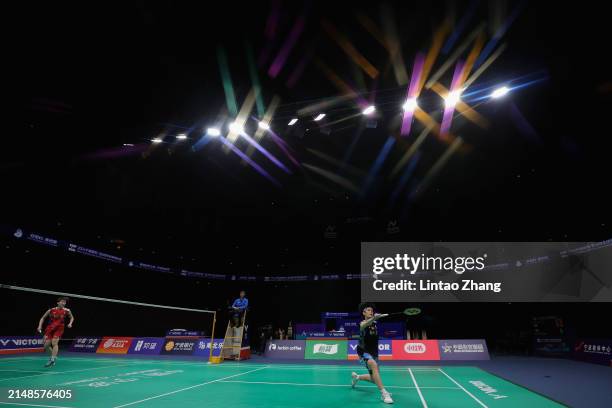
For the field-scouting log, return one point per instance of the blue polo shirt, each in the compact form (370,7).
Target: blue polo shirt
(241,303)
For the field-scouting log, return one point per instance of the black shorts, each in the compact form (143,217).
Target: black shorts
(364,359)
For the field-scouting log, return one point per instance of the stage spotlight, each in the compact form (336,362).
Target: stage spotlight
(369,110)
(410,105)
(452,98)
(213,132)
(319,117)
(156,140)
(236,128)
(181,136)
(293,121)
(500,92)
(264,125)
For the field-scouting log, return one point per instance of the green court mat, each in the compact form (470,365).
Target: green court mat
(115,382)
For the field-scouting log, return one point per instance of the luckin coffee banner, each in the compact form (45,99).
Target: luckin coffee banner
(486,271)
(289,349)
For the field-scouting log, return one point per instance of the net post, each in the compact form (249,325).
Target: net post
(212,337)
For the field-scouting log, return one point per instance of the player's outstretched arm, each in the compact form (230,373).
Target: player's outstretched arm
(371,320)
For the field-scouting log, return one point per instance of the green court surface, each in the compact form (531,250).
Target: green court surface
(113,382)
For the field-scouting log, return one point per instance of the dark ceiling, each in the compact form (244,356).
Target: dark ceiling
(85,80)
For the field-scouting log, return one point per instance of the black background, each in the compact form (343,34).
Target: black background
(89,77)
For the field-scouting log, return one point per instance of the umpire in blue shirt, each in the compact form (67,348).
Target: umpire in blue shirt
(238,308)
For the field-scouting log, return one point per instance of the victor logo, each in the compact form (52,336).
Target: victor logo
(139,345)
(415,348)
(329,349)
(22,342)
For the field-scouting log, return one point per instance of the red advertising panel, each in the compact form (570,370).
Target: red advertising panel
(115,345)
(415,350)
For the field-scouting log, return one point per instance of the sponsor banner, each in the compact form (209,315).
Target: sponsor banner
(323,335)
(552,346)
(93,253)
(21,344)
(114,345)
(146,345)
(85,344)
(327,277)
(203,347)
(184,333)
(335,315)
(298,278)
(309,327)
(385,350)
(463,350)
(247,278)
(150,267)
(305,330)
(308,335)
(594,351)
(286,349)
(340,334)
(43,240)
(326,350)
(415,350)
(179,345)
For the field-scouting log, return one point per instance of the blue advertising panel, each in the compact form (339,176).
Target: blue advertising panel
(85,344)
(203,347)
(463,350)
(146,345)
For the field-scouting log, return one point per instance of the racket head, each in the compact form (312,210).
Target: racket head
(412,311)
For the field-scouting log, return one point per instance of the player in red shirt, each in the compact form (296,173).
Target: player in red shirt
(55,328)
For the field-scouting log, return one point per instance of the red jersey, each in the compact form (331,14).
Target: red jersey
(57,316)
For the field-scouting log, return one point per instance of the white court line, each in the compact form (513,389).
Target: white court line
(32,405)
(468,393)
(417,388)
(140,362)
(205,362)
(248,365)
(60,358)
(329,385)
(189,388)
(63,372)
(15,358)
(343,368)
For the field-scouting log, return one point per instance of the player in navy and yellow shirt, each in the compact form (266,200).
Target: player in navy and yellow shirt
(55,328)
(367,349)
